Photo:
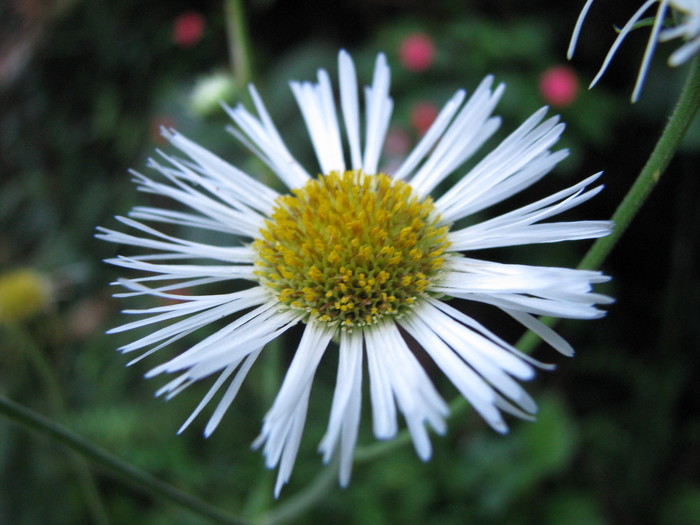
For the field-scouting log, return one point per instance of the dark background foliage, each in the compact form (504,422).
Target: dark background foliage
(84,87)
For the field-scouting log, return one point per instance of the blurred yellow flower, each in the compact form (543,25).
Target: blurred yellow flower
(23,293)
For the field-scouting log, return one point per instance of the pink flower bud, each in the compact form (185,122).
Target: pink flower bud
(559,86)
(417,52)
(188,29)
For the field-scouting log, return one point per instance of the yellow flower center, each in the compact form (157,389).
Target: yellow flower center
(351,248)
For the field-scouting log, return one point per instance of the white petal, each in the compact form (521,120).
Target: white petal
(344,420)
(351,107)
(470,385)
(470,129)
(265,141)
(649,51)
(208,396)
(560,292)
(235,303)
(173,311)
(178,271)
(244,187)
(477,327)
(318,109)
(166,291)
(176,245)
(246,222)
(519,181)
(406,381)
(535,305)
(518,227)
(545,332)
(683,53)
(525,145)
(383,407)
(230,393)
(379,106)
(431,136)
(477,351)
(577,29)
(152,214)
(627,28)
(238,338)
(284,422)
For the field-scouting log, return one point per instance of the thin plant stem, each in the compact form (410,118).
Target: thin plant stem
(238,44)
(49,380)
(136,477)
(682,117)
(369,452)
(305,499)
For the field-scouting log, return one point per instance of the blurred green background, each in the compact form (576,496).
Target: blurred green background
(84,88)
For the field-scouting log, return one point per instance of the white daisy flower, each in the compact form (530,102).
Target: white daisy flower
(688,28)
(686,16)
(360,257)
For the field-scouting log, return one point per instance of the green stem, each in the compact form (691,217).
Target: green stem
(238,44)
(43,369)
(379,448)
(306,499)
(54,395)
(28,418)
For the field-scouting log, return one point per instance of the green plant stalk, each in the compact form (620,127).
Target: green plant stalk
(682,117)
(304,499)
(134,476)
(238,44)
(379,448)
(54,394)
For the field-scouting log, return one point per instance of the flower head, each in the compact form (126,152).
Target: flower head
(687,11)
(361,257)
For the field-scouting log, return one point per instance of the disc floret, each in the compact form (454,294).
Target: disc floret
(351,248)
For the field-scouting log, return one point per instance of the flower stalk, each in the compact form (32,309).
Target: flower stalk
(134,476)
(304,500)
(239,44)
(54,396)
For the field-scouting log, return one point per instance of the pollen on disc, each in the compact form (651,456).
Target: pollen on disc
(351,248)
